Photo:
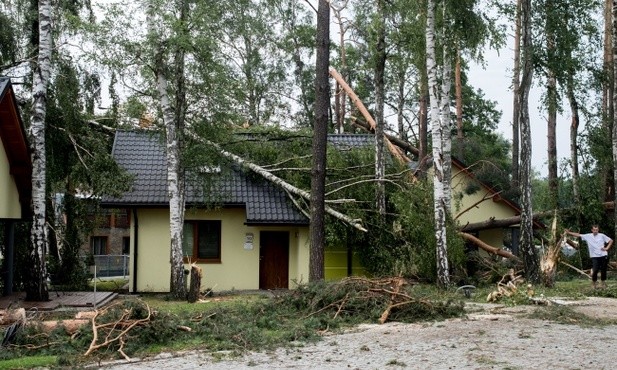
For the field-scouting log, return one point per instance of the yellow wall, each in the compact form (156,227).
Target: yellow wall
(335,264)
(483,210)
(9,197)
(239,267)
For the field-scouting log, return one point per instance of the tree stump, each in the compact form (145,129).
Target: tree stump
(195,286)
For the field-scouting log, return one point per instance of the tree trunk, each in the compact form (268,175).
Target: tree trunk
(195,288)
(318,179)
(528,250)
(439,201)
(446,124)
(400,106)
(574,142)
(458,85)
(36,286)
(423,117)
(614,99)
(516,103)
(340,98)
(551,92)
(174,175)
(380,66)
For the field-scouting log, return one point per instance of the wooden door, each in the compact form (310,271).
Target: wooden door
(273,259)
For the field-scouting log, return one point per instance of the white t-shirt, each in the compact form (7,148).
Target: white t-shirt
(595,243)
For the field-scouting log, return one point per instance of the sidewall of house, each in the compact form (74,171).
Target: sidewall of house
(461,202)
(239,266)
(10,207)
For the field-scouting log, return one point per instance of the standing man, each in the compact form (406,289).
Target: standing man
(598,245)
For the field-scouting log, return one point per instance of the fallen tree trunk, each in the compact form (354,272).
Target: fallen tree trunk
(487,247)
(493,223)
(276,180)
(367,116)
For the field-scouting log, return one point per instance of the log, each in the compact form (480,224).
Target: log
(8,317)
(487,247)
(504,222)
(396,152)
(195,286)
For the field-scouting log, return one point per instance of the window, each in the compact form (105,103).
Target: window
(121,219)
(202,241)
(98,245)
(126,245)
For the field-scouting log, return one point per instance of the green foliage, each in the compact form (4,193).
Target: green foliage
(417,236)
(234,323)
(8,48)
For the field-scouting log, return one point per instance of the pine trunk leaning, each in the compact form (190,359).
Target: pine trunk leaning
(36,287)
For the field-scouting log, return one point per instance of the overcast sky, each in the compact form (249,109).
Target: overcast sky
(496,80)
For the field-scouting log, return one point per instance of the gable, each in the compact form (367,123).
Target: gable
(142,154)
(15,162)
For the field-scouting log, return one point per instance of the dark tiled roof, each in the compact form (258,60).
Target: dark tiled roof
(142,154)
(349,141)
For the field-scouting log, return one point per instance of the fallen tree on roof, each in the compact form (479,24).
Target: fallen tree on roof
(356,223)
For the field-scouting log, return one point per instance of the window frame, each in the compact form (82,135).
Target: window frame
(103,238)
(195,256)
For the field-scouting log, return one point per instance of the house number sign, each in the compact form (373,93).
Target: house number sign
(248,241)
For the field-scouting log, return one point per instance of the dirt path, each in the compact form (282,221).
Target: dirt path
(491,337)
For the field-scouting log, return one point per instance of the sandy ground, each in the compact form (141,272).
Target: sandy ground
(490,337)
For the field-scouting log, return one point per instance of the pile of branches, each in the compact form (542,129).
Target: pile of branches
(359,299)
(112,325)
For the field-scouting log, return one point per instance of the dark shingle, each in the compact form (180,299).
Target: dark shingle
(142,154)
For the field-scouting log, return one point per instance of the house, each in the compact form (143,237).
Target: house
(242,231)
(473,201)
(15,176)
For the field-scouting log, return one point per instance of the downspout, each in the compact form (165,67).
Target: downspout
(135,249)
(8,263)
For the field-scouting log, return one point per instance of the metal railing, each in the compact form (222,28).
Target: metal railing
(112,265)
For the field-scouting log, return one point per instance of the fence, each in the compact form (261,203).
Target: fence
(112,265)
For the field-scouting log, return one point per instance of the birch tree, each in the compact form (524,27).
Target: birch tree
(318,179)
(439,194)
(528,250)
(172,123)
(380,68)
(36,289)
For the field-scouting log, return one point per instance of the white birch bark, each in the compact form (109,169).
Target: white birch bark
(176,198)
(380,161)
(37,288)
(174,180)
(438,160)
(446,132)
(528,250)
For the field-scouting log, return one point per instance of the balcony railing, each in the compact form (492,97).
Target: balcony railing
(112,265)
